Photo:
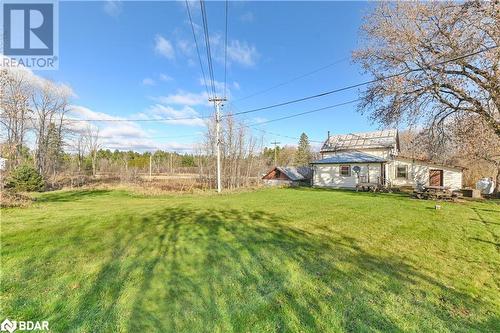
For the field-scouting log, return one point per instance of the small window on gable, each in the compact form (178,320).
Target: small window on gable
(345,170)
(402,171)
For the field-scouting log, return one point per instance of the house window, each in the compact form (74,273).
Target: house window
(345,170)
(402,171)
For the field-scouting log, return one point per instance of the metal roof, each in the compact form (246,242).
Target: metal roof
(296,173)
(350,157)
(366,140)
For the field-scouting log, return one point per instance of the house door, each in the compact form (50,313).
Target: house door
(436,177)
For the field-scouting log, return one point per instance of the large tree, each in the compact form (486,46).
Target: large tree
(420,39)
(304,155)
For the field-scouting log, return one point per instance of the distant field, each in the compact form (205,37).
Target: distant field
(274,260)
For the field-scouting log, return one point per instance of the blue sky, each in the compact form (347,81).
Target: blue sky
(137,60)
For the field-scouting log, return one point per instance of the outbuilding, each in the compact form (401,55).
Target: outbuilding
(288,176)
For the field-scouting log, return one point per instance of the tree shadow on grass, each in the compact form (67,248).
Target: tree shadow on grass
(351,192)
(70,196)
(187,270)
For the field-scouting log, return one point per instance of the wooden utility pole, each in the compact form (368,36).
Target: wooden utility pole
(150,165)
(218,102)
(275,143)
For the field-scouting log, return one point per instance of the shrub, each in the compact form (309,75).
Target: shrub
(25,178)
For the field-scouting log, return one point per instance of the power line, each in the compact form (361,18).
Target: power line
(197,48)
(225,51)
(206,117)
(207,45)
(281,135)
(124,120)
(361,84)
(153,137)
(293,79)
(307,112)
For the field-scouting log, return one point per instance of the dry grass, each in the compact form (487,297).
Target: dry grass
(9,199)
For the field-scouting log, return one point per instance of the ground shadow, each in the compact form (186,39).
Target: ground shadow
(191,270)
(69,196)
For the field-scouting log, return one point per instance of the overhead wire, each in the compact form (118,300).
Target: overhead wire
(197,47)
(260,92)
(225,52)
(329,92)
(207,45)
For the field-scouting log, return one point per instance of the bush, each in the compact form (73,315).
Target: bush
(25,178)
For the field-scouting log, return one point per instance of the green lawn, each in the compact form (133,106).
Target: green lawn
(276,260)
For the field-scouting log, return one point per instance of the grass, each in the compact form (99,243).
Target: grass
(275,260)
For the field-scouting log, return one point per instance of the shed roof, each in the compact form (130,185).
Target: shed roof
(376,139)
(294,173)
(350,157)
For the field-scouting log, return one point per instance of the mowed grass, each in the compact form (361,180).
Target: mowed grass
(275,260)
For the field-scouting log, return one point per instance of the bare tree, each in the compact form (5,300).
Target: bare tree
(15,113)
(477,143)
(49,104)
(420,39)
(93,144)
(240,161)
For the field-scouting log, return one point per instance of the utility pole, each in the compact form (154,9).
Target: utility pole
(218,102)
(150,165)
(275,143)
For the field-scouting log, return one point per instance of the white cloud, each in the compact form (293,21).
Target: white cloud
(164,47)
(258,120)
(239,52)
(122,135)
(242,53)
(186,47)
(148,82)
(109,126)
(184,98)
(219,86)
(247,17)
(159,111)
(165,77)
(113,7)
(26,75)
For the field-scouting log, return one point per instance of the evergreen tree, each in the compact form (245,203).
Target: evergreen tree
(304,154)
(54,149)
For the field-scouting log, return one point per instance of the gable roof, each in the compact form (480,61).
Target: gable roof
(350,157)
(293,173)
(366,140)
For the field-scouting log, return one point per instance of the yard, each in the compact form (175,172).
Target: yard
(274,260)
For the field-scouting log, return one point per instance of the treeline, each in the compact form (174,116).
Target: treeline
(39,144)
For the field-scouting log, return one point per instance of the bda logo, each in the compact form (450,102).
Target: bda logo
(8,326)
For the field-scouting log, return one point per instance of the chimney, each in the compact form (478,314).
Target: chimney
(328,135)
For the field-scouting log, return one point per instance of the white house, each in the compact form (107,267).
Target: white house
(373,157)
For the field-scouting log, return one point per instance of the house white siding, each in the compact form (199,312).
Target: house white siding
(328,175)
(377,154)
(418,173)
